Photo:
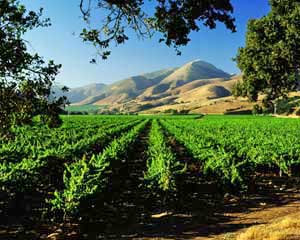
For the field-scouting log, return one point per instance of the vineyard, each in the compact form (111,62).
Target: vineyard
(96,174)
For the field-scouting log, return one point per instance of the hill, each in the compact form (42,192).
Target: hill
(192,71)
(196,86)
(80,93)
(127,89)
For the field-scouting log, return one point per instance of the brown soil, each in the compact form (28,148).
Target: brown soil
(238,215)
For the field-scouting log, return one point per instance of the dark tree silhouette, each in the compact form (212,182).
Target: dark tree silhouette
(174,19)
(271,58)
(25,78)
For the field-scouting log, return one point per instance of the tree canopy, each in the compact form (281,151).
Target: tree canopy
(174,19)
(25,78)
(270,60)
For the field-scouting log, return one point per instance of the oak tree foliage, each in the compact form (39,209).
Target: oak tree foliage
(174,19)
(271,58)
(25,78)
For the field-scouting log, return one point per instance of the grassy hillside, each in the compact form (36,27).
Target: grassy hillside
(195,85)
(200,96)
(127,89)
(194,70)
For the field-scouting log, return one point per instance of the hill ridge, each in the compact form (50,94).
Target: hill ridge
(189,85)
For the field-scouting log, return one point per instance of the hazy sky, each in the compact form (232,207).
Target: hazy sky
(61,43)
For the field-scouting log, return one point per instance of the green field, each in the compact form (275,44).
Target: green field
(84,108)
(118,169)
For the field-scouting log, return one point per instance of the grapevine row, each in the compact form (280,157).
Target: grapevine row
(85,178)
(161,165)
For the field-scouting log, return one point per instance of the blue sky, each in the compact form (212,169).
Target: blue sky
(61,43)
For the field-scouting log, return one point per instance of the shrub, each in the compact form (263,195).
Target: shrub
(257,109)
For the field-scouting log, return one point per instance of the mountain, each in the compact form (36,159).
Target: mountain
(127,89)
(193,71)
(192,86)
(80,93)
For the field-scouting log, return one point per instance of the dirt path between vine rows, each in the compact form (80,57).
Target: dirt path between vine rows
(240,221)
(203,215)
